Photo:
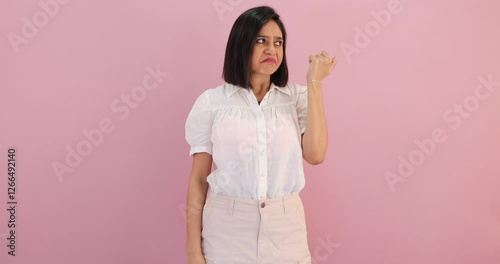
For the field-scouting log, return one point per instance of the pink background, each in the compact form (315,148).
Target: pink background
(124,201)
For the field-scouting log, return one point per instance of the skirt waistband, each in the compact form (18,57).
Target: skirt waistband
(281,203)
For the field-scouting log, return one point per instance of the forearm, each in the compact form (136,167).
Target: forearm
(197,192)
(315,139)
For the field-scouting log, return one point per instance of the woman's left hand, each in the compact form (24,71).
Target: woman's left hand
(320,66)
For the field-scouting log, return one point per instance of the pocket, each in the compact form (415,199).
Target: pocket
(300,217)
(208,212)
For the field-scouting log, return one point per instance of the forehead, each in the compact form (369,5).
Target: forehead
(271,29)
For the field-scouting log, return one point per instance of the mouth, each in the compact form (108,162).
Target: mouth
(270,60)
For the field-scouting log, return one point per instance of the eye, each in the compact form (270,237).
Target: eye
(278,43)
(261,41)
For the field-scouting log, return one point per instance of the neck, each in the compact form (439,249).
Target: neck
(261,84)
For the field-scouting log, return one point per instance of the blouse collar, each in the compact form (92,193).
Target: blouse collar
(231,89)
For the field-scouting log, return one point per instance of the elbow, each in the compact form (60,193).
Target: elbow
(314,152)
(315,160)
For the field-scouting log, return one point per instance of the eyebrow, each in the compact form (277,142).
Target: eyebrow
(265,36)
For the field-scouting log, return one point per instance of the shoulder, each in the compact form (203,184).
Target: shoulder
(211,95)
(218,92)
(296,89)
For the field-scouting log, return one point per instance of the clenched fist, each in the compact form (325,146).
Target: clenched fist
(321,65)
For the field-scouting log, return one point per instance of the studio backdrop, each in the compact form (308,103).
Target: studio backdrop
(94,95)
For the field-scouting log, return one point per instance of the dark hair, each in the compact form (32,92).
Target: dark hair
(240,45)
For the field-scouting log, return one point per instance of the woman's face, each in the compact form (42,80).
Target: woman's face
(268,50)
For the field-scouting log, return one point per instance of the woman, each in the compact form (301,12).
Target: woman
(256,129)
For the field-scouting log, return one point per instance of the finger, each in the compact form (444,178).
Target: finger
(316,57)
(324,53)
(322,58)
(334,63)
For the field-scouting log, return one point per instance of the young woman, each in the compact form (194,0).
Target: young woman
(256,129)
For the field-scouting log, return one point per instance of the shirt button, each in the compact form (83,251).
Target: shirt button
(262,205)
(261,174)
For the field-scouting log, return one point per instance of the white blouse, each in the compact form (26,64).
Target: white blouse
(256,149)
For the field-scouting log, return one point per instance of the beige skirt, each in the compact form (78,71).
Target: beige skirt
(239,230)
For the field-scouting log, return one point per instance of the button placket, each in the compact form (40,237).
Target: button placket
(262,159)
(261,145)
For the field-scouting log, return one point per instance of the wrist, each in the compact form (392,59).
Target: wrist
(314,81)
(314,84)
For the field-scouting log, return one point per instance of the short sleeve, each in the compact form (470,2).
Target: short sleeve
(199,125)
(302,107)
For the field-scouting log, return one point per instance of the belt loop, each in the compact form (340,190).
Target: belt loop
(284,204)
(230,205)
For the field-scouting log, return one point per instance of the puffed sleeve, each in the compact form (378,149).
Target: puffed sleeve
(199,125)
(302,107)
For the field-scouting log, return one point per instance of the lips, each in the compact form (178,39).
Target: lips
(270,60)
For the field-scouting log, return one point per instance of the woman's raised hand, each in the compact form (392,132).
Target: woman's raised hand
(321,65)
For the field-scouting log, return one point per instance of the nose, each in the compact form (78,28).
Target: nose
(270,49)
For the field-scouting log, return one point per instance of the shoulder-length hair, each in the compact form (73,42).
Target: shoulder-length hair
(240,45)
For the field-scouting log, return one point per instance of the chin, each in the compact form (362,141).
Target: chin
(269,72)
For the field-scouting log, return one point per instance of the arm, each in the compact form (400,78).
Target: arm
(315,137)
(197,191)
